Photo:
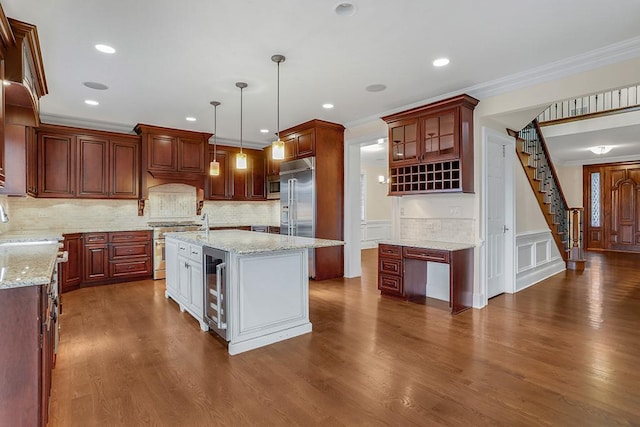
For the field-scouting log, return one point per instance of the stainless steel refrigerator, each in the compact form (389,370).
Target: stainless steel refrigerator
(298,201)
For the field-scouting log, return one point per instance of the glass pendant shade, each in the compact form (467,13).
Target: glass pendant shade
(241,161)
(214,168)
(277,150)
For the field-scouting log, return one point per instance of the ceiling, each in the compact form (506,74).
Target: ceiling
(171,60)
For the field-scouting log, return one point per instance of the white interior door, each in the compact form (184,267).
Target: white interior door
(496,218)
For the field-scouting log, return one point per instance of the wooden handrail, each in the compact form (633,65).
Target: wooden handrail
(553,168)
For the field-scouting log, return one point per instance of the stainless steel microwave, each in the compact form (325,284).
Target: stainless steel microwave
(273,187)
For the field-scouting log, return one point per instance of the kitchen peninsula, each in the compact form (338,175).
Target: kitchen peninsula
(250,288)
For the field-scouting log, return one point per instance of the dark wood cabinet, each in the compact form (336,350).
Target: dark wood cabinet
(237,184)
(173,150)
(190,155)
(56,164)
(96,257)
(71,272)
(325,141)
(92,167)
(431,148)
(124,169)
(26,354)
(2,119)
(219,187)
(273,166)
(402,272)
(130,254)
(390,270)
(32,162)
(81,163)
(100,258)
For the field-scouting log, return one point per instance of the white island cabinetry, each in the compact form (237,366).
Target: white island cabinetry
(185,278)
(265,296)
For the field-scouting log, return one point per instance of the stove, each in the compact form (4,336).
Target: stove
(159,230)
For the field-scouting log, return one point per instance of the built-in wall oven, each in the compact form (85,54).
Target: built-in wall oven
(273,187)
(159,230)
(216,281)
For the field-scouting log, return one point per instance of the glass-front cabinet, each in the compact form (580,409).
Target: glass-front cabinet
(440,136)
(404,141)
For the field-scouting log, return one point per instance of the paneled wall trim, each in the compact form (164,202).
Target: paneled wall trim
(372,232)
(537,258)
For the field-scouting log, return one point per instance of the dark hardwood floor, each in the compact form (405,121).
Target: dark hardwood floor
(565,352)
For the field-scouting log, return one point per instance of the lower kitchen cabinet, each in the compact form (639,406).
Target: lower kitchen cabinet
(403,272)
(100,258)
(71,271)
(185,279)
(26,354)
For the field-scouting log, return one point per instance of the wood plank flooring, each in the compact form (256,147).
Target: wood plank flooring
(565,352)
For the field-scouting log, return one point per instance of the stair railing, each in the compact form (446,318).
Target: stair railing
(549,184)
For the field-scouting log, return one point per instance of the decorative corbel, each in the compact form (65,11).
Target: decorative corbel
(141,207)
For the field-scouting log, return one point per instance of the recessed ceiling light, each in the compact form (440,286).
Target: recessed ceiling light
(441,62)
(601,149)
(264,130)
(327,106)
(105,48)
(91,102)
(345,9)
(95,85)
(375,88)
(191,119)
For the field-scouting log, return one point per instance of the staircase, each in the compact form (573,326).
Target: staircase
(563,221)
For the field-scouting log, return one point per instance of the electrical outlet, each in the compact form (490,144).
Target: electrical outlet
(401,211)
(455,212)
(42,214)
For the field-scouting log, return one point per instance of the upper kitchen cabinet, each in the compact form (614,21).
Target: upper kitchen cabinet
(24,71)
(87,164)
(172,150)
(431,148)
(172,156)
(237,184)
(299,143)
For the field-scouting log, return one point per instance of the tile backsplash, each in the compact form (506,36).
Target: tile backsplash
(455,230)
(81,215)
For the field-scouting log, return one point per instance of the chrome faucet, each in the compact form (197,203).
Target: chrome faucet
(3,214)
(205,224)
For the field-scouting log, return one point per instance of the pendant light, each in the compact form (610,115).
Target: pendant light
(214,166)
(277,147)
(241,158)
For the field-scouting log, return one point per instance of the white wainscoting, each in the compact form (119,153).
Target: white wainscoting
(537,258)
(373,232)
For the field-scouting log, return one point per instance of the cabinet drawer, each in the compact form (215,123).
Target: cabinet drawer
(390,266)
(183,248)
(195,252)
(120,251)
(130,268)
(90,238)
(390,251)
(129,236)
(391,285)
(426,254)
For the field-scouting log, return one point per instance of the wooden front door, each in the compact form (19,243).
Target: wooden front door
(612,206)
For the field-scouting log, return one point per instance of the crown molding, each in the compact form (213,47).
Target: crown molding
(611,54)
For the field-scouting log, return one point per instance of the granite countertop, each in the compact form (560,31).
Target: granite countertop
(250,242)
(27,263)
(30,236)
(429,244)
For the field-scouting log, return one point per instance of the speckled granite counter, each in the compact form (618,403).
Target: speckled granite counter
(248,242)
(429,244)
(27,264)
(30,236)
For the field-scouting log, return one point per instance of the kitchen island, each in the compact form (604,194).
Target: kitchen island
(251,288)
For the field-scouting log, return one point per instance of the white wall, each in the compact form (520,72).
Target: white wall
(571,182)
(378,203)
(529,217)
